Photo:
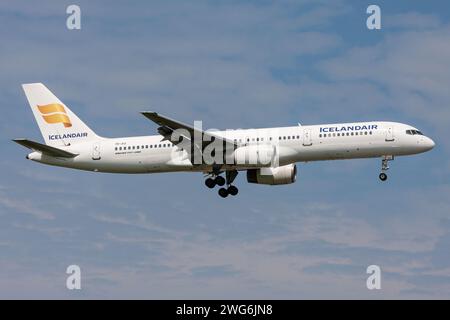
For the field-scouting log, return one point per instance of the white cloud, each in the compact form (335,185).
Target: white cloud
(24,206)
(411,21)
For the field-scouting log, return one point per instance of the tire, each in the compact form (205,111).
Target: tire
(220,181)
(223,192)
(383,176)
(233,190)
(210,183)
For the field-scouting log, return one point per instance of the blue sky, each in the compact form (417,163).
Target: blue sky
(232,64)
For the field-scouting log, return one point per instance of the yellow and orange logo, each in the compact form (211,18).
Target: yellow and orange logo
(55,113)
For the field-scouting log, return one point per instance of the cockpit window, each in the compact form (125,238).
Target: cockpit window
(413,132)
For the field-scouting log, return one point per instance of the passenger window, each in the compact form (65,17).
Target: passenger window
(370,132)
(320,135)
(348,134)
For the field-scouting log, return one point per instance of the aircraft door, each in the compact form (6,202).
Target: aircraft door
(307,139)
(96,151)
(390,134)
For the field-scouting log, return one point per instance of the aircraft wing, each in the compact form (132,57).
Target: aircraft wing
(168,126)
(43,148)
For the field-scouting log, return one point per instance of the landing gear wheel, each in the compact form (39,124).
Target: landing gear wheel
(383,176)
(233,190)
(223,192)
(210,183)
(220,181)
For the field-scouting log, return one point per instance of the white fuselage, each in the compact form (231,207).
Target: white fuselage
(149,154)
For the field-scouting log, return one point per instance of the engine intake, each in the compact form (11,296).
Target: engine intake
(273,176)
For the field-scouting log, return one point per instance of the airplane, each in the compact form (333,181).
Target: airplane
(268,155)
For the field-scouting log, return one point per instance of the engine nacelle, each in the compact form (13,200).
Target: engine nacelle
(255,155)
(273,176)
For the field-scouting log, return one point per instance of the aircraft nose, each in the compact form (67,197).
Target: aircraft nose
(429,143)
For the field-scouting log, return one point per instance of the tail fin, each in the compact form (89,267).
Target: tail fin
(58,124)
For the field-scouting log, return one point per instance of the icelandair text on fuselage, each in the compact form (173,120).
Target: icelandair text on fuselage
(67,136)
(349,128)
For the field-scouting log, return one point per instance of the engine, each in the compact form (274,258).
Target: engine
(273,176)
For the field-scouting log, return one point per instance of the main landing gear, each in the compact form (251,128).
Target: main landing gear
(216,179)
(385,167)
(212,182)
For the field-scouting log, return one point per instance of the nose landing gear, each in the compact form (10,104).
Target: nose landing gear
(385,167)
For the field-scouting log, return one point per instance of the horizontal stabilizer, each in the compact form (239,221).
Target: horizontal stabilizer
(48,150)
